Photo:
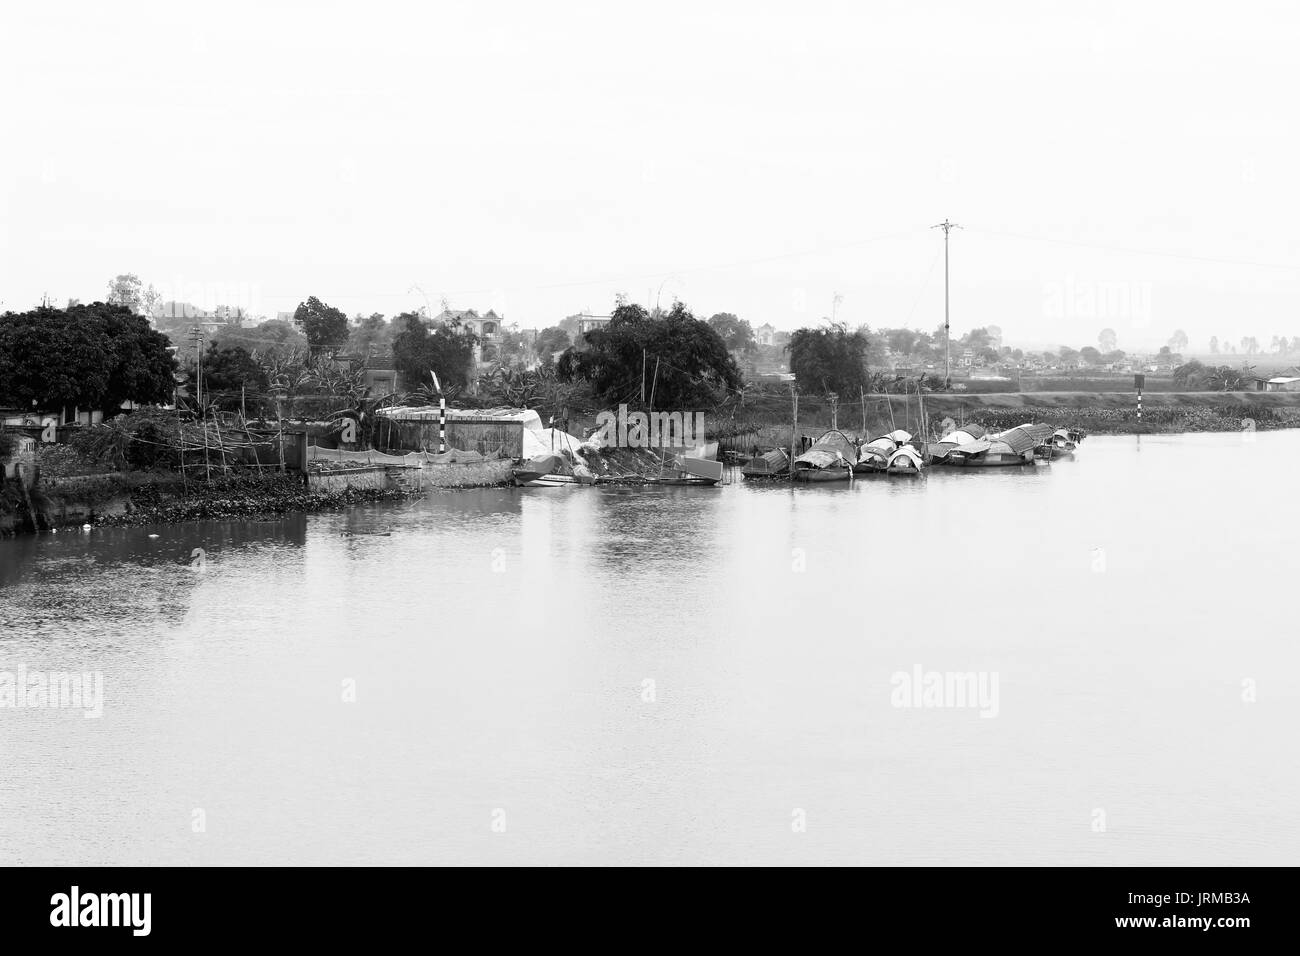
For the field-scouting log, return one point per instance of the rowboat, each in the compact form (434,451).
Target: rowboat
(547,471)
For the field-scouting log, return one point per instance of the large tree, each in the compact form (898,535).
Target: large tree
(372,335)
(326,327)
(676,358)
(1107,339)
(93,356)
(735,332)
(830,359)
(128,290)
(549,341)
(446,350)
(231,370)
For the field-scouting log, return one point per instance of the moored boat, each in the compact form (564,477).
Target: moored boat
(831,458)
(1062,443)
(905,461)
(874,455)
(547,471)
(770,464)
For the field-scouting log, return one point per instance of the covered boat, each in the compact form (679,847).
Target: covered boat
(905,461)
(938,451)
(1015,446)
(874,455)
(1061,444)
(831,458)
(770,464)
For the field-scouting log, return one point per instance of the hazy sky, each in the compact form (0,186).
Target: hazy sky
(1129,165)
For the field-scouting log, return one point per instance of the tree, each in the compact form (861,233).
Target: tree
(736,333)
(231,370)
(901,341)
(1069,355)
(372,334)
(1214,345)
(829,359)
(127,290)
(93,356)
(694,367)
(326,327)
(1178,341)
(272,335)
(549,341)
(977,339)
(1190,374)
(1106,339)
(1090,355)
(446,350)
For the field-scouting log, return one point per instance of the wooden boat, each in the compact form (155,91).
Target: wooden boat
(831,458)
(547,471)
(690,471)
(875,454)
(1063,443)
(906,461)
(936,452)
(1015,446)
(768,465)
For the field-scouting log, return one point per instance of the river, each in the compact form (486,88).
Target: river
(681,676)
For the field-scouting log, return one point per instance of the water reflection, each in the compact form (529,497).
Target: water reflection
(664,675)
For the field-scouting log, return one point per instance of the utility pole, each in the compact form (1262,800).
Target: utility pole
(947,227)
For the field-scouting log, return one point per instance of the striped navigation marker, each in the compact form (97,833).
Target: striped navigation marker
(1138,382)
(442,413)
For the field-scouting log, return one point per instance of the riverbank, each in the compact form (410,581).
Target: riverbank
(1097,413)
(132,498)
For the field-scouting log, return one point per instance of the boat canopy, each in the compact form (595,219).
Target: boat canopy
(831,448)
(906,457)
(1024,437)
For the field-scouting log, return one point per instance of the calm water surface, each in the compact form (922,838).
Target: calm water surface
(500,642)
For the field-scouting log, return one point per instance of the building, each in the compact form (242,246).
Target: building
(765,334)
(486,326)
(586,323)
(1283,383)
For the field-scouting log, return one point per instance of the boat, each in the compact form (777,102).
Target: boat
(905,461)
(1015,446)
(547,471)
(874,455)
(831,458)
(768,465)
(936,452)
(698,466)
(1062,443)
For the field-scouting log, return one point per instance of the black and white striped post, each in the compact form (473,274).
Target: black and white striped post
(1138,382)
(442,414)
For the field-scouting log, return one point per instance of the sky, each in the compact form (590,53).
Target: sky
(1124,165)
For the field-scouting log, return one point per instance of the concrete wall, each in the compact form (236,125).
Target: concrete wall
(469,474)
(375,477)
